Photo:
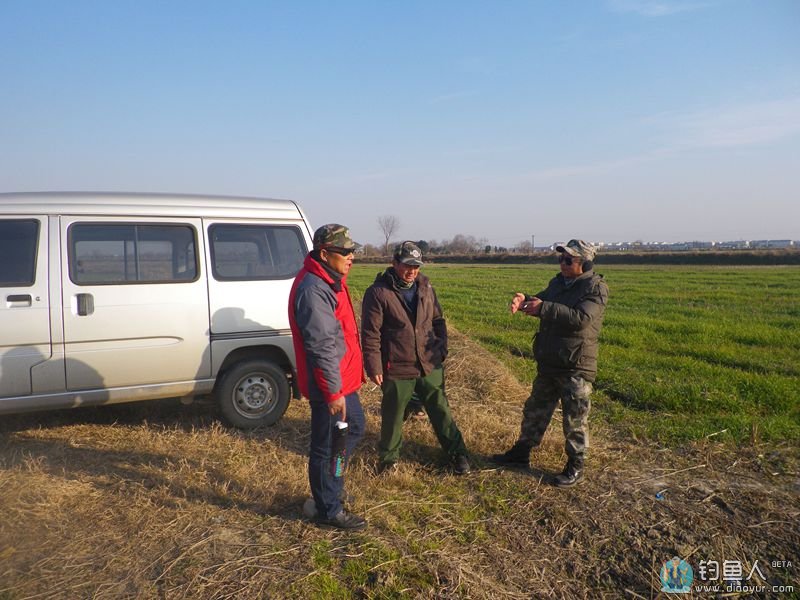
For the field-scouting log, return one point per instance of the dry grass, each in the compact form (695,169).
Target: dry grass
(160,501)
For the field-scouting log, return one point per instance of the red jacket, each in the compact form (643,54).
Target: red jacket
(325,334)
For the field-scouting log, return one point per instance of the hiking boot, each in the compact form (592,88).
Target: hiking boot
(344,520)
(518,456)
(460,464)
(572,473)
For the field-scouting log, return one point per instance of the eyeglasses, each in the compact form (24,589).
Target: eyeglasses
(567,260)
(340,251)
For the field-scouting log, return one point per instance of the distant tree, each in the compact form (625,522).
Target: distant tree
(523,247)
(371,250)
(389,225)
(461,244)
(424,246)
(487,249)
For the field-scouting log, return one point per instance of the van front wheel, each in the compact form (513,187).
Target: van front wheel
(252,394)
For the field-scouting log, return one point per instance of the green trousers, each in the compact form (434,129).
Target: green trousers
(430,391)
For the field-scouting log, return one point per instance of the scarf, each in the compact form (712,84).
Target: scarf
(397,283)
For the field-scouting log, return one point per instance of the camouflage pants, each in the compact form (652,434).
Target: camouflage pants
(574,393)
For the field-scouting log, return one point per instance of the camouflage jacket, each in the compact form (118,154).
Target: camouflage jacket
(571,318)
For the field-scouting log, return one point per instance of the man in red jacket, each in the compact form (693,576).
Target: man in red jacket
(330,370)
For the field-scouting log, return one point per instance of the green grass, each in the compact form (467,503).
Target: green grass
(685,351)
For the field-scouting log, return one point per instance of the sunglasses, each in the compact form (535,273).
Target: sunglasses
(340,251)
(567,260)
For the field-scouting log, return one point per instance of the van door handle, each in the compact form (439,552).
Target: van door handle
(19,300)
(85,304)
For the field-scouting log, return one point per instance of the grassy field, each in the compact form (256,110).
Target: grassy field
(157,500)
(686,352)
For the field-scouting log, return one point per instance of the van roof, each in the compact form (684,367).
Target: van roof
(123,203)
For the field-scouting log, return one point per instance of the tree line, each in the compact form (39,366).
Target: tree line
(460,244)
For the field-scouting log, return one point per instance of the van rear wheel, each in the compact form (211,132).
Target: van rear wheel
(252,394)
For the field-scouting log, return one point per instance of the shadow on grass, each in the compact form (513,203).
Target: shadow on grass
(628,400)
(122,470)
(153,471)
(519,352)
(167,414)
(485,463)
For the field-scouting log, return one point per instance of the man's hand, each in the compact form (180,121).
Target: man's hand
(532,307)
(338,405)
(377,379)
(516,302)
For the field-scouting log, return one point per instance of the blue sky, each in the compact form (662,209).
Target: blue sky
(607,120)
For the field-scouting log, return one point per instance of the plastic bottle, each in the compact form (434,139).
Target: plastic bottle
(339,448)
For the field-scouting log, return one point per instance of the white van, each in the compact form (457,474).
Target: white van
(112,298)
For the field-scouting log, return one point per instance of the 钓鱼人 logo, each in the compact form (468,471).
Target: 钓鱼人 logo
(676,576)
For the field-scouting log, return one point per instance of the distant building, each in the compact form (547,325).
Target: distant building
(679,247)
(616,247)
(640,246)
(772,244)
(733,245)
(696,245)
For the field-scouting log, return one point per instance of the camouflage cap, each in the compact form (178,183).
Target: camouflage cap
(334,235)
(408,253)
(578,248)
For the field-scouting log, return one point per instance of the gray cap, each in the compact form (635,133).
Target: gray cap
(408,253)
(578,248)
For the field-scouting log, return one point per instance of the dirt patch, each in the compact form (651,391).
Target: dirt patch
(158,500)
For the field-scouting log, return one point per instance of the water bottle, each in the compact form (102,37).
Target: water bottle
(338,448)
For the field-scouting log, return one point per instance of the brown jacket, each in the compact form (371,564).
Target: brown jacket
(392,344)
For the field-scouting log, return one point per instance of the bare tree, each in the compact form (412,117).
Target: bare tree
(464,244)
(524,247)
(370,250)
(389,225)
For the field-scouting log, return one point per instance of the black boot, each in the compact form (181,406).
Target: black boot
(572,473)
(518,456)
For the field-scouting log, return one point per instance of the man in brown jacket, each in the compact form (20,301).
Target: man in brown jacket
(404,339)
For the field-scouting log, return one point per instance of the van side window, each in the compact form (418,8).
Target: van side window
(18,241)
(105,253)
(248,252)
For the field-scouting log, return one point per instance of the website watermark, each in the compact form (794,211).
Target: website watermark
(728,576)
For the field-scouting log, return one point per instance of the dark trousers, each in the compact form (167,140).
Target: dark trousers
(326,489)
(430,391)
